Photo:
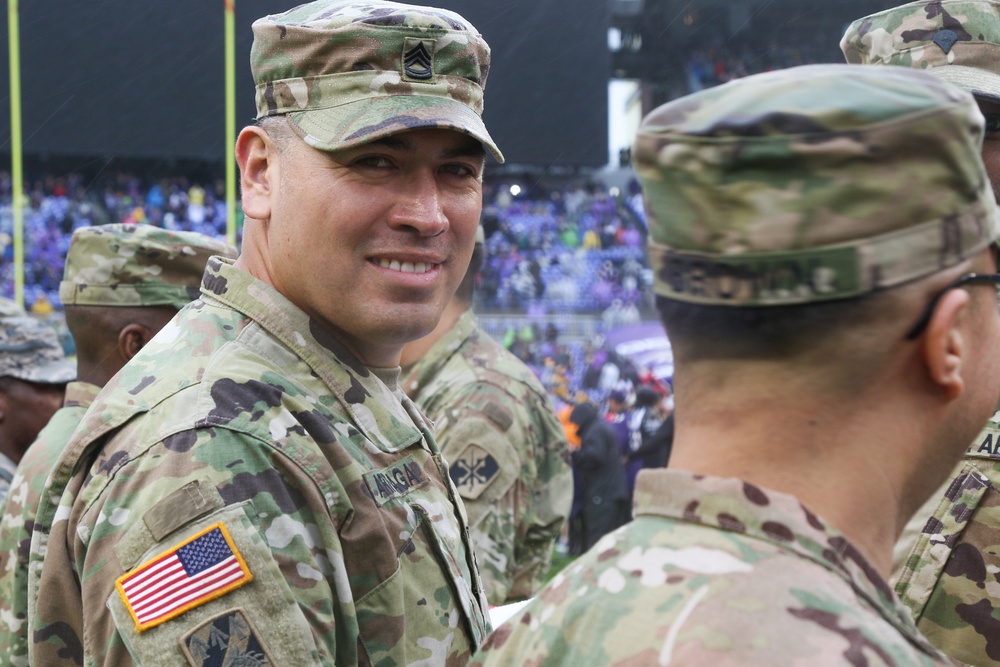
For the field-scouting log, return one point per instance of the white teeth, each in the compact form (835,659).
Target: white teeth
(405,267)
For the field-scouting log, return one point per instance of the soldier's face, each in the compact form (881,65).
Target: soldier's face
(986,336)
(373,241)
(28,407)
(991,143)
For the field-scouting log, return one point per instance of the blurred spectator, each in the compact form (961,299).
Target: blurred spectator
(600,494)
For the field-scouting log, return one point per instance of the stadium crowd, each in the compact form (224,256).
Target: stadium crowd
(550,251)
(329,438)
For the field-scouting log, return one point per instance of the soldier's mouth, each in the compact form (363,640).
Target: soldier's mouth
(406,267)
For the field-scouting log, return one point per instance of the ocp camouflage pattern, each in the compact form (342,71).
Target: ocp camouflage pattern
(349,72)
(506,451)
(244,412)
(812,183)
(17,519)
(950,579)
(136,265)
(956,40)
(714,571)
(7,471)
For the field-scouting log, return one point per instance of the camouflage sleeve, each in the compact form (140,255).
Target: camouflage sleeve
(17,520)
(209,548)
(14,541)
(949,580)
(508,461)
(551,497)
(7,468)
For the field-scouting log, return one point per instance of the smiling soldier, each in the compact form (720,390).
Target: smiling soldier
(255,488)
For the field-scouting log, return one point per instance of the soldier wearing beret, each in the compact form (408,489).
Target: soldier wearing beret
(946,561)
(121,285)
(506,449)
(254,486)
(33,376)
(823,246)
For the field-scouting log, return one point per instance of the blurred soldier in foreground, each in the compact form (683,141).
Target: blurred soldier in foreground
(947,563)
(506,449)
(121,285)
(33,376)
(820,236)
(254,487)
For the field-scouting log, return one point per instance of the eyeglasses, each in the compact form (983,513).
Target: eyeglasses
(992,122)
(967,279)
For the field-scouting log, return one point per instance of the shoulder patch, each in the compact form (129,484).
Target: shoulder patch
(230,638)
(473,471)
(196,571)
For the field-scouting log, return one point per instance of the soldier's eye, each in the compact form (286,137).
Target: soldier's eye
(992,122)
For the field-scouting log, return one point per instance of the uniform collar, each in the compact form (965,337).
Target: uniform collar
(737,506)
(427,367)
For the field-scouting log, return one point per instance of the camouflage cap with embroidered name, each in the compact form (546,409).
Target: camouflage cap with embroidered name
(136,265)
(957,40)
(347,72)
(812,183)
(30,351)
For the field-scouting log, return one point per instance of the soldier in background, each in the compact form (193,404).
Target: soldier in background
(254,486)
(820,236)
(33,376)
(9,308)
(121,284)
(946,561)
(499,432)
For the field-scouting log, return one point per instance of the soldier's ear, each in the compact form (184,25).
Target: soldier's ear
(131,339)
(256,155)
(945,348)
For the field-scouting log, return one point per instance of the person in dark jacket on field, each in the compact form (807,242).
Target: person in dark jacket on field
(655,449)
(600,476)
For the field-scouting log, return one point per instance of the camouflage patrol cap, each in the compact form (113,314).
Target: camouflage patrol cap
(347,72)
(957,40)
(136,265)
(10,307)
(812,183)
(30,351)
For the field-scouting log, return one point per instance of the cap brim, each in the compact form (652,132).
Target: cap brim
(56,372)
(357,123)
(978,82)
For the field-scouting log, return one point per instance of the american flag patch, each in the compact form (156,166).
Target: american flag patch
(199,569)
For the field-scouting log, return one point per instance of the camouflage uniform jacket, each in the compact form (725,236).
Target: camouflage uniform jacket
(950,578)
(18,517)
(245,439)
(507,453)
(7,468)
(714,571)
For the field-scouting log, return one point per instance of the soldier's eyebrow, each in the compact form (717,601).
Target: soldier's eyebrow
(469,148)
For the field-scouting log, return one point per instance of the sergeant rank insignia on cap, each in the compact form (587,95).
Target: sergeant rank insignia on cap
(945,39)
(198,570)
(418,62)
